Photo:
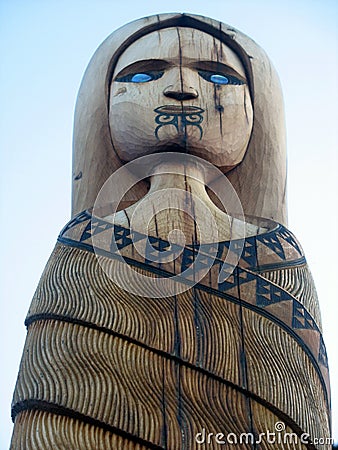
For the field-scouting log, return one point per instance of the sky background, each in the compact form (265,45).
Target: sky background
(45,48)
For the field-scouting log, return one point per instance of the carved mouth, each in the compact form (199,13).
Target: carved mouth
(178,109)
(180,117)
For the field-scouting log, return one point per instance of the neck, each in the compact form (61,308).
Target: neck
(178,200)
(189,178)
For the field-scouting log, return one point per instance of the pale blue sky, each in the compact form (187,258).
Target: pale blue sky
(45,48)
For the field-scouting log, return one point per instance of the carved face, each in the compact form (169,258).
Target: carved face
(180,89)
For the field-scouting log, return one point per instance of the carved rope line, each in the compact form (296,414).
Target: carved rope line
(16,409)
(52,316)
(42,405)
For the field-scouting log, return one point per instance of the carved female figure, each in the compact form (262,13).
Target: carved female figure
(105,367)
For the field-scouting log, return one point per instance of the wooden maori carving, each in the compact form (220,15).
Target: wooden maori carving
(176,311)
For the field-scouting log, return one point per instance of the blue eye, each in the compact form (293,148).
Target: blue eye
(219,78)
(140,77)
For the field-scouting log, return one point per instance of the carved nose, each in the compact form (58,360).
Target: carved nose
(180,95)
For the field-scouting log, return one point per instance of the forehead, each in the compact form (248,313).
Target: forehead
(179,46)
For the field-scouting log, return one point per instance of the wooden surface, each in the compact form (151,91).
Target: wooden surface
(262,191)
(108,368)
(160,370)
(181,202)
(222,133)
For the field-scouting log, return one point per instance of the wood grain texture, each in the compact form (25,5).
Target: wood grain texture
(193,319)
(264,421)
(299,282)
(173,365)
(279,371)
(95,374)
(162,401)
(40,430)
